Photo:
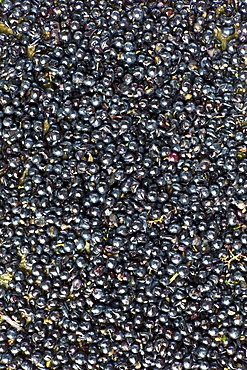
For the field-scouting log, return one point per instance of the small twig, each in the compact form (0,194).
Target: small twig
(173,277)
(10,321)
(155,221)
(233,257)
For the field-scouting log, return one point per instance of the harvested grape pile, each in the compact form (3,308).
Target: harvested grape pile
(123,189)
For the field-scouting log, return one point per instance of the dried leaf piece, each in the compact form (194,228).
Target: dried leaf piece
(5,278)
(5,29)
(46,126)
(31,50)
(10,321)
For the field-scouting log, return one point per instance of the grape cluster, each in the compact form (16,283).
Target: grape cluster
(123,190)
